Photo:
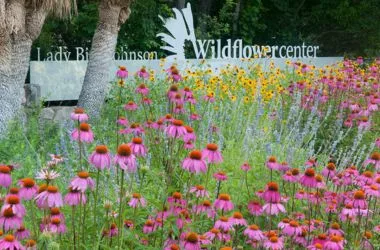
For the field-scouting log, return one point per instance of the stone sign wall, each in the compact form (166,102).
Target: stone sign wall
(62,80)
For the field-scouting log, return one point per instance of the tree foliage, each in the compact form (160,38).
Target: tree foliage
(339,27)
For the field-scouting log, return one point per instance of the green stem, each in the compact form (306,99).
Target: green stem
(121,205)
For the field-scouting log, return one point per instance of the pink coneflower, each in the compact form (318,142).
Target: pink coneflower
(283,223)
(177,99)
(194,163)
(255,208)
(329,171)
(79,115)
(57,226)
(75,197)
(212,154)
(199,191)
(237,219)
(5,176)
(191,100)
(183,218)
(377,142)
(214,233)
(205,207)
(173,90)
(366,178)
(308,179)
(176,203)
(49,198)
(101,158)
(223,223)
(335,230)
(359,201)
(55,212)
(22,233)
(142,73)
(224,203)
(128,224)
(28,188)
(245,167)
(374,160)
(172,246)
(146,101)
(148,227)
(283,166)
(335,242)
(191,242)
(174,74)
(190,135)
(271,163)
(187,92)
(320,239)
(364,123)
(253,232)
(372,190)
(137,201)
(320,183)
(289,177)
(273,208)
(84,134)
(12,201)
(114,231)
(9,242)
(133,129)
(209,98)
(301,194)
(9,220)
(195,117)
(138,147)
(220,176)
(176,129)
(312,162)
(347,213)
(271,194)
(122,121)
(122,72)
(130,106)
(82,181)
(274,243)
(159,124)
(125,159)
(292,229)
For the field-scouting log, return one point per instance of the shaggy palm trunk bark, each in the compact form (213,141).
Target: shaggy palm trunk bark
(101,58)
(12,79)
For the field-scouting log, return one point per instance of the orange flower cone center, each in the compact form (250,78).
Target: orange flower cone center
(124,150)
(101,149)
(195,155)
(84,127)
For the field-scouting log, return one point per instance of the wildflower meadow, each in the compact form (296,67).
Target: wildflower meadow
(197,158)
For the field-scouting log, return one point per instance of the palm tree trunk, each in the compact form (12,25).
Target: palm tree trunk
(12,80)
(101,57)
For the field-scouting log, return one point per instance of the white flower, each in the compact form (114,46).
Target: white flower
(46,174)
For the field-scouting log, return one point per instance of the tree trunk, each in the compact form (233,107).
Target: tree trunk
(12,93)
(236,18)
(101,57)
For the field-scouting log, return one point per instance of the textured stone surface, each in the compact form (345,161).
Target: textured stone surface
(47,114)
(62,113)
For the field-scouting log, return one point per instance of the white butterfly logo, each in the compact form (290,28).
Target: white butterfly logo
(180,29)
